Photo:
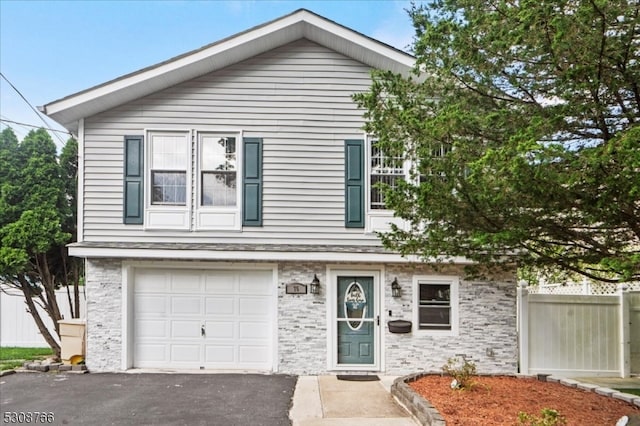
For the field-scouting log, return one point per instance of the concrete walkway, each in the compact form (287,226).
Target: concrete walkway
(325,400)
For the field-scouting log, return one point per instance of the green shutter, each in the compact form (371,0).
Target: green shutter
(133,202)
(354,183)
(252,182)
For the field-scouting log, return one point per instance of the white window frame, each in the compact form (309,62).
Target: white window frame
(454,284)
(166,216)
(379,219)
(218,217)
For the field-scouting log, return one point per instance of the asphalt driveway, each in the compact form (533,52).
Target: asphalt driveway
(149,399)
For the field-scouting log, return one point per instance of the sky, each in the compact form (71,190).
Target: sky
(52,49)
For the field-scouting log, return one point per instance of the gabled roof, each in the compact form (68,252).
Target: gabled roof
(297,25)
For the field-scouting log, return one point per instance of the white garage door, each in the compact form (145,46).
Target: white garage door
(211,319)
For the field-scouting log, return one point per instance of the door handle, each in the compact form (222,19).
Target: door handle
(378,319)
(203,332)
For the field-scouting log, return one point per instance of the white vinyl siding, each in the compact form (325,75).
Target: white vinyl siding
(297,98)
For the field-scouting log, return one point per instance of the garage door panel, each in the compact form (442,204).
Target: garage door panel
(220,329)
(185,329)
(154,305)
(221,283)
(220,306)
(185,353)
(186,305)
(253,330)
(258,306)
(236,308)
(186,282)
(151,282)
(145,329)
(254,283)
(253,354)
(152,353)
(220,354)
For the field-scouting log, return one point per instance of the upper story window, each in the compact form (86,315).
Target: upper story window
(219,170)
(383,169)
(169,164)
(437,155)
(436,303)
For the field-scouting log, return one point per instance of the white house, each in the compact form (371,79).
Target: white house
(216,186)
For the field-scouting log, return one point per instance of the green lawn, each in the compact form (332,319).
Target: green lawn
(12,357)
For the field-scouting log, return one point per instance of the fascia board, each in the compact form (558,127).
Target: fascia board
(136,253)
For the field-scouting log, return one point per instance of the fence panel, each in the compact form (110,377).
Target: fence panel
(17,327)
(634,331)
(572,335)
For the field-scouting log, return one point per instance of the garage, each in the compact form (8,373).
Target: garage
(203,319)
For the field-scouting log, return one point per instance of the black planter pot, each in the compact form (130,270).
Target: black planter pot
(399,326)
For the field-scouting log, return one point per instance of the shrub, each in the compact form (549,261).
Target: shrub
(462,370)
(548,417)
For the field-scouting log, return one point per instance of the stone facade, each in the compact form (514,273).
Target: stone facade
(302,321)
(486,333)
(487,320)
(104,314)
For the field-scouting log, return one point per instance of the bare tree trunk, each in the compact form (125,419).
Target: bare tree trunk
(48,282)
(66,281)
(32,309)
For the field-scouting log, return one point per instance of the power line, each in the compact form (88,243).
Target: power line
(4,120)
(31,106)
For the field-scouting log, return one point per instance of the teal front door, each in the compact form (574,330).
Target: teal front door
(356,320)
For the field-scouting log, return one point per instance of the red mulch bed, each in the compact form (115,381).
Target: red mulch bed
(497,401)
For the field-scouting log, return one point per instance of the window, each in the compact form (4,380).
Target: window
(219,171)
(386,170)
(437,155)
(169,163)
(436,304)
(169,187)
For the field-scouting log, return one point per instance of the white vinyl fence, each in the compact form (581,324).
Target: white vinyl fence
(579,334)
(17,327)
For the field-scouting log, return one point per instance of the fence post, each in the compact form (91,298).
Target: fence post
(625,336)
(523,327)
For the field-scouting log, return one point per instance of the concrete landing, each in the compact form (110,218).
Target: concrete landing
(325,400)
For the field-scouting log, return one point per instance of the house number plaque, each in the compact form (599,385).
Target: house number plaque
(296,288)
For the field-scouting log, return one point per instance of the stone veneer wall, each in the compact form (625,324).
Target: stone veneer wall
(487,325)
(302,321)
(487,314)
(104,315)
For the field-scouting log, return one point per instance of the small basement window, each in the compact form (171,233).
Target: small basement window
(436,304)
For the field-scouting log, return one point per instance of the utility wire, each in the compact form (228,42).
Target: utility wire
(2,117)
(31,106)
(4,120)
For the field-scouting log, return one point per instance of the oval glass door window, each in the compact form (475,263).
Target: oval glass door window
(355,305)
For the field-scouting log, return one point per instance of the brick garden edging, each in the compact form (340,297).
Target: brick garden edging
(427,414)
(416,404)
